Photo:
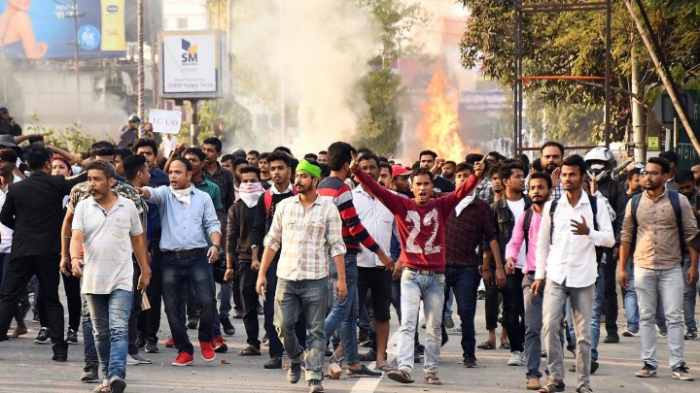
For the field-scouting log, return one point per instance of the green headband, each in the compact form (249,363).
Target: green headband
(309,168)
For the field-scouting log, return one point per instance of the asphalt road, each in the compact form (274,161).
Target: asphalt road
(27,367)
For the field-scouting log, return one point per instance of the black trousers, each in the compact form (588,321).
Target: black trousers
(71,285)
(248,278)
(135,312)
(149,321)
(513,308)
(20,271)
(610,292)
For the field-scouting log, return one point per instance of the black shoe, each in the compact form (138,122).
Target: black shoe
(152,345)
(237,314)
(420,348)
(370,356)
(445,337)
(294,373)
(692,334)
(469,362)
(60,356)
(329,351)
(43,336)
(229,330)
(481,295)
(612,339)
(416,357)
(594,366)
(363,339)
(72,336)
(261,310)
(571,349)
(315,386)
(140,340)
(90,373)
(192,323)
(273,364)
(117,385)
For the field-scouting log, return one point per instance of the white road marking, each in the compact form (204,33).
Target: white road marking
(369,385)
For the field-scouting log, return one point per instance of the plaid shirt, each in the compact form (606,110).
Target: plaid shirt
(80,193)
(307,237)
(224,179)
(465,233)
(557,192)
(485,192)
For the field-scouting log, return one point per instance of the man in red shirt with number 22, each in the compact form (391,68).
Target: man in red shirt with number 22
(421,224)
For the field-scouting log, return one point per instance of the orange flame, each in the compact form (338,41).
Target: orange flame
(438,128)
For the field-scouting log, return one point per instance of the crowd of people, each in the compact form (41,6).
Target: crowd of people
(325,245)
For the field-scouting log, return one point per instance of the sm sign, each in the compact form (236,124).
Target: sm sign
(190,50)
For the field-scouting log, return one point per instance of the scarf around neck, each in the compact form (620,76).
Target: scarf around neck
(250,193)
(182,195)
(464,203)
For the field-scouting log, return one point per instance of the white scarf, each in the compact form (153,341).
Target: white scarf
(250,193)
(464,203)
(182,195)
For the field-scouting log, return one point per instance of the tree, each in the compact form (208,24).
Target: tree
(227,111)
(380,126)
(573,43)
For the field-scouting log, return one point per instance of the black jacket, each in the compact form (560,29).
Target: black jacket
(614,192)
(504,222)
(34,210)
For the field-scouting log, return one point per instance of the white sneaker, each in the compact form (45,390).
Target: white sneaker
(130,361)
(516,359)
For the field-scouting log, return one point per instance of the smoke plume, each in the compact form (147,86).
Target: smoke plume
(308,55)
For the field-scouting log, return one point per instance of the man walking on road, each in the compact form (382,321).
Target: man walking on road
(36,248)
(187,214)
(310,228)
(421,224)
(566,256)
(662,224)
(107,228)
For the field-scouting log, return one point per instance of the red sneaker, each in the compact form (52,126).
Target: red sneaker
(219,344)
(207,351)
(183,359)
(170,343)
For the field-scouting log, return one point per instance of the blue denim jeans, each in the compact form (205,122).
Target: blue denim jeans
(463,282)
(197,273)
(89,349)
(225,295)
(431,289)
(110,318)
(309,297)
(690,294)
(344,312)
(599,297)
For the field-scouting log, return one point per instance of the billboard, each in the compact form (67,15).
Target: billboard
(191,64)
(36,29)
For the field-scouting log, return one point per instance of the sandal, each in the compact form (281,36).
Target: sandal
(249,351)
(552,386)
(102,389)
(400,376)
(363,371)
(384,367)
(486,345)
(432,379)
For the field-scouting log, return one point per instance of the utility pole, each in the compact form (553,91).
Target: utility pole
(638,109)
(140,65)
(76,44)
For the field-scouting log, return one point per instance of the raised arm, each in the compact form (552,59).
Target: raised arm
(386,197)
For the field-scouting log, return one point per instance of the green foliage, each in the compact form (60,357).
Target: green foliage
(380,128)
(71,138)
(573,43)
(235,117)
